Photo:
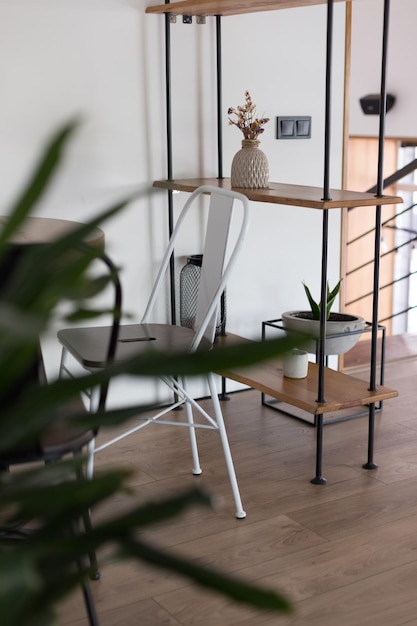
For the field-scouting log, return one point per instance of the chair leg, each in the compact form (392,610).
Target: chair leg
(193,437)
(90,459)
(86,518)
(94,403)
(94,399)
(85,587)
(62,363)
(95,573)
(240,513)
(89,603)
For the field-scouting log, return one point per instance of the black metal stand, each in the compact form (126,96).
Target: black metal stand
(305,417)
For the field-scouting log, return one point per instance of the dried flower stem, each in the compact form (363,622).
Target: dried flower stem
(245,120)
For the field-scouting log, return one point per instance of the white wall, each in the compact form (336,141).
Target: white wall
(104,60)
(367,22)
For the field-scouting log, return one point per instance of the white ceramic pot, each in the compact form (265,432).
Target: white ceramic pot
(338,323)
(295,363)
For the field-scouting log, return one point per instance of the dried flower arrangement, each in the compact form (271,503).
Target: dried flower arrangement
(245,120)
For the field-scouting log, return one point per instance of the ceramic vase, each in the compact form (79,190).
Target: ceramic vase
(250,168)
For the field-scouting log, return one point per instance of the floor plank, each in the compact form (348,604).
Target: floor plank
(344,553)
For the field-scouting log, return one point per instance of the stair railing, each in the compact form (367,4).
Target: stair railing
(390,223)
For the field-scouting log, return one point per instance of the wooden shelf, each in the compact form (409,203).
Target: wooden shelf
(341,390)
(229,7)
(294,195)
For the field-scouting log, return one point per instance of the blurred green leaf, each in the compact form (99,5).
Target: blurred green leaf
(43,277)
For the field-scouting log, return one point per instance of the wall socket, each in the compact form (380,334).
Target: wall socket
(187,19)
(294,127)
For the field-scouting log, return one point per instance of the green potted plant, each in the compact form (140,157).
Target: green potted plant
(29,301)
(341,324)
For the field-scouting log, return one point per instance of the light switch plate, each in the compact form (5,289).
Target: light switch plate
(294,127)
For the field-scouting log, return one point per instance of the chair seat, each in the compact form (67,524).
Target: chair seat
(63,440)
(88,345)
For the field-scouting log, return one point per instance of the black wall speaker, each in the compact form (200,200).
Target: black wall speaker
(371,104)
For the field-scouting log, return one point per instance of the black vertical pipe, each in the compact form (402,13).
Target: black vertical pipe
(371,437)
(326,196)
(377,245)
(169,157)
(219,84)
(380,188)
(318,479)
(383,101)
(327,122)
(375,299)
(219,97)
(323,307)
(168,92)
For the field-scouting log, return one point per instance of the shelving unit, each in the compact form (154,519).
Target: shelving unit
(324,390)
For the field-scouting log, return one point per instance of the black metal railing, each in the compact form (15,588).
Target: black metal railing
(393,224)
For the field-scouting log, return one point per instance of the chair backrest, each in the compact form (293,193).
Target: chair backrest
(115,325)
(219,255)
(62,437)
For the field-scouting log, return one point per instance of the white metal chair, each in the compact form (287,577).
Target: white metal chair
(221,248)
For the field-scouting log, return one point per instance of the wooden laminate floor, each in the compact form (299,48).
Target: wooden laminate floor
(345,553)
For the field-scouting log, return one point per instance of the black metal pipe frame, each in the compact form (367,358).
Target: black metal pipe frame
(219,84)
(318,479)
(326,196)
(219,97)
(380,188)
(169,157)
(377,246)
(327,123)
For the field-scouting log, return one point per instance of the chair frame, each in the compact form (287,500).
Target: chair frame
(212,285)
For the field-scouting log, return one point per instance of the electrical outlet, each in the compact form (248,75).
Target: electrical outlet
(294,127)
(201,19)
(187,19)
